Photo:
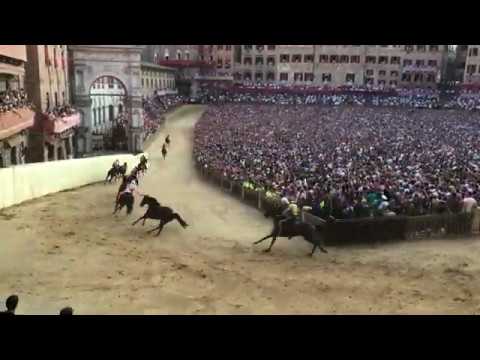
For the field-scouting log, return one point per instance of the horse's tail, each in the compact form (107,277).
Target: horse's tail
(130,201)
(180,220)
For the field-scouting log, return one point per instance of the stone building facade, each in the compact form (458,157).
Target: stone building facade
(378,65)
(14,123)
(472,65)
(47,84)
(157,78)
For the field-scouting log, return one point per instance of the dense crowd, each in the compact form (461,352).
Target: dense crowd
(155,108)
(61,111)
(358,96)
(347,161)
(13,99)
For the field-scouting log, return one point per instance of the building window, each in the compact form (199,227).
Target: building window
(350,78)
(344,59)
(432,63)
(48,101)
(258,76)
(308,76)
(63,60)
(63,98)
(393,83)
(47,58)
(296,58)
(382,73)
(237,76)
(143,82)
(323,59)
(297,77)
(260,47)
(420,63)
(271,47)
(430,78)
(333,59)
(228,47)
(382,60)
(259,60)
(219,47)
(187,55)
(381,82)
(369,72)
(270,76)
(406,77)
(408,48)
(247,76)
(219,63)
(247,60)
(283,76)
(471,69)
(308,58)
(394,73)
(473,52)
(355,59)
(418,77)
(247,47)
(434,48)
(369,81)
(284,58)
(326,77)
(421,48)
(370,60)
(55,57)
(271,61)
(395,60)
(407,62)
(179,55)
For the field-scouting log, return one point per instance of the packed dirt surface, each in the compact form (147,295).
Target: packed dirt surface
(69,250)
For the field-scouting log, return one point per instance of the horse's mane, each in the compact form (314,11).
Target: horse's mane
(152,199)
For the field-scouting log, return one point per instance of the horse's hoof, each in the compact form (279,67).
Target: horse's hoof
(266,250)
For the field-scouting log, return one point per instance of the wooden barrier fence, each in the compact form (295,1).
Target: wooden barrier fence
(363,230)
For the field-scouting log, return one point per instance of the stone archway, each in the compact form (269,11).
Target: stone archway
(90,62)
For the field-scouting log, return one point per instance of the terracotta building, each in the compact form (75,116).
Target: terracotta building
(47,83)
(16,117)
(378,65)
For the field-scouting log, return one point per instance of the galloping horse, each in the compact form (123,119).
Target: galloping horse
(312,234)
(116,173)
(157,212)
(124,199)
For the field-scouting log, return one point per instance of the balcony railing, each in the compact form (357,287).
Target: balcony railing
(57,125)
(12,122)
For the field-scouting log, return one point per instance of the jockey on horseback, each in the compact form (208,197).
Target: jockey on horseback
(130,188)
(116,165)
(290,214)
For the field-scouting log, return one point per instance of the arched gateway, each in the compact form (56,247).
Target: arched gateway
(122,62)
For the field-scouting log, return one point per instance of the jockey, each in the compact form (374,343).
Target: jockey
(131,188)
(116,164)
(291,213)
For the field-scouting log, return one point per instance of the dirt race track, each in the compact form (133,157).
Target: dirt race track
(68,249)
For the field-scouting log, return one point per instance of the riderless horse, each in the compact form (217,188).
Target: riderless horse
(158,212)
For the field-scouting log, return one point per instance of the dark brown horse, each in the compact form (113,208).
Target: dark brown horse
(312,234)
(157,212)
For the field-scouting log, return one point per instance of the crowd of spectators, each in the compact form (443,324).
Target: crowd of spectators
(61,111)
(11,100)
(347,161)
(359,96)
(155,108)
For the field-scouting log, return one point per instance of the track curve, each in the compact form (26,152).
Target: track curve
(67,249)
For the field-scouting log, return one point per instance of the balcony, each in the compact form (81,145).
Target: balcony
(12,122)
(58,125)
(419,69)
(186,63)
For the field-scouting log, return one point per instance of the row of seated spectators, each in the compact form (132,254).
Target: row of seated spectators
(12,302)
(347,161)
(360,96)
(418,98)
(13,99)
(61,111)
(155,108)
